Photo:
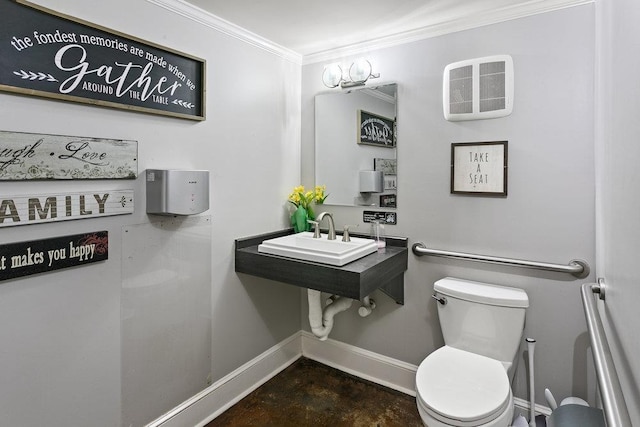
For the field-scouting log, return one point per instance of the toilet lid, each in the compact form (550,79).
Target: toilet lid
(461,386)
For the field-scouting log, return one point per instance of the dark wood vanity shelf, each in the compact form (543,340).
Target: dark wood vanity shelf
(358,279)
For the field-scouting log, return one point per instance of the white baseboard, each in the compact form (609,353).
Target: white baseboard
(522,407)
(224,393)
(362,363)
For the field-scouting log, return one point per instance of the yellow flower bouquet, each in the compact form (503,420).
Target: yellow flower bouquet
(304,200)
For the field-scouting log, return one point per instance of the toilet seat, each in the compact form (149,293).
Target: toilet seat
(460,388)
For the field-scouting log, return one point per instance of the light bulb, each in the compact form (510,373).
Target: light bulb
(360,70)
(332,75)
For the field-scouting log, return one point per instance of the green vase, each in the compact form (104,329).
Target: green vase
(311,215)
(299,220)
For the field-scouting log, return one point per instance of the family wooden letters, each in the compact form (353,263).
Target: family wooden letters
(21,210)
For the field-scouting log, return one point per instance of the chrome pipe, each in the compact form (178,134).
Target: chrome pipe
(614,406)
(577,268)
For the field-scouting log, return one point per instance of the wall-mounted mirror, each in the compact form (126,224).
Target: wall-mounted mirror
(355,146)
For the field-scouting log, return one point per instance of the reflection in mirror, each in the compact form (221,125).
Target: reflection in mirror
(356,146)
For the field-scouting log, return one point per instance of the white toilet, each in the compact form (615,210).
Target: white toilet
(468,381)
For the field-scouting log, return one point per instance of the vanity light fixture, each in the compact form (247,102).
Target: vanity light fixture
(359,72)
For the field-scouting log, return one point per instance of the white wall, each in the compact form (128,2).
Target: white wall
(60,331)
(547,216)
(618,182)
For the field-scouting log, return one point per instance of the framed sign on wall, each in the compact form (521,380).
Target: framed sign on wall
(479,168)
(45,255)
(35,209)
(32,156)
(375,130)
(51,55)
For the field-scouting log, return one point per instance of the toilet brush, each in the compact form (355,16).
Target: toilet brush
(531,344)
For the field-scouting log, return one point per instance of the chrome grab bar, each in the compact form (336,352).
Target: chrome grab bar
(614,406)
(576,267)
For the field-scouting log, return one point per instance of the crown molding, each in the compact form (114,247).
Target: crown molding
(455,24)
(451,25)
(207,19)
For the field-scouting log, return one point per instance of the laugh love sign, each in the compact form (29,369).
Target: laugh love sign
(39,256)
(31,156)
(47,54)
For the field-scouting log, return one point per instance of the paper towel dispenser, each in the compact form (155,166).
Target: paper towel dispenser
(371,182)
(177,192)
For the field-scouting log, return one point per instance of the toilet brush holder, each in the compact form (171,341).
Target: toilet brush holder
(531,344)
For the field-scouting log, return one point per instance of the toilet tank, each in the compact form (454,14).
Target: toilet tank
(482,318)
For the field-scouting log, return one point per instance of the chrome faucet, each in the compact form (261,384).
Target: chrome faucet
(332,228)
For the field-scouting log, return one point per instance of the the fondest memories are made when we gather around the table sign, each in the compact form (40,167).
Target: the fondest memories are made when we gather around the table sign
(48,54)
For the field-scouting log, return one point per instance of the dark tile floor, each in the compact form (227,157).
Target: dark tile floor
(308,393)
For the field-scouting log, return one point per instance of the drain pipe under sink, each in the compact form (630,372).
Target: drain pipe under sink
(321,321)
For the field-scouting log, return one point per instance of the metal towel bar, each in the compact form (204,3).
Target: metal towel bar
(578,268)
(614,406)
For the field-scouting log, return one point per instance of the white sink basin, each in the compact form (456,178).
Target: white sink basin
(303,246)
